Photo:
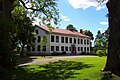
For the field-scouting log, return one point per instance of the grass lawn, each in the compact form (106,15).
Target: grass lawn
(69,69)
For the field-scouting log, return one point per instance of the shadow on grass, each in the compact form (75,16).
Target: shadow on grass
(59,70)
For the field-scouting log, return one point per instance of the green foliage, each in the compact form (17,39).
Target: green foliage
(100,53)
(88,33)
(107,75)
(44,42)
(101,43)
(71,27)
(22,31)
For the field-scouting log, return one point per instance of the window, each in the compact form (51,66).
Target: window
(66,39)
(62,39)
(52,48)
(33,48)
(81,41)
(39,38)
(52,38)
(57,48)
(70,48)
(78,41)
(28,48)
(88,49)
(85,49)
(57,38)
(66,48)
(75,40)
(36,31)
(33,40)
(81,48)
(38,48)
(78,48)
(62,48)
(70,40)
(87,42)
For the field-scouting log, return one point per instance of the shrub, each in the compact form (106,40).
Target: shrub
(107,75)
(100,53)
(58,53)
(83,53)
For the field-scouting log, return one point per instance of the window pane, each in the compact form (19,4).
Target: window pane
(57,38)
(52,38)
(70,40)
(75,40)
(62,39)
(85,41)
(66,39)
(57,48)
(52,48)
(66,48)
(81,48)
(39,38)
(62,48)
(38,48)
(33,48)
(81,41)
(36,31)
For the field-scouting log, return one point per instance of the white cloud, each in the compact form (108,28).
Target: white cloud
(84,4)
(104,23)
(100,29)
(65,18)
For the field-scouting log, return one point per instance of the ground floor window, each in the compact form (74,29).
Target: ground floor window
(33,48)
(78,48)
(88,49)
(81,48)
(62,48)
(38,48)
(85,49)
(57,48)
(70,48)
(52,48)
(66,48)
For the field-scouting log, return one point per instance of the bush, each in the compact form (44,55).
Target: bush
(107,75)
(83,53)
(58,53)
(100,53)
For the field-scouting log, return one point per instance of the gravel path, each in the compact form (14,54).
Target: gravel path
(50,58)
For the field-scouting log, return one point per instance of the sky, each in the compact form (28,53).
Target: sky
(83,14)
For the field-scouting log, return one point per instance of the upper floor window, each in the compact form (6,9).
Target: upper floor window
(78,41)
(39,38)
(87,42)
(62,39)
(52,38)
(81,41)
(75,40)
(36,31)
(70,40)
(66,39)
(57,38)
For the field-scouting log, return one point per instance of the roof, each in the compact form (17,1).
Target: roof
(63,31)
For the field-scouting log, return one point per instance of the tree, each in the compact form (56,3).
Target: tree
(71,28)
(44,44)
(113,59)
(88,33)
(45,10)
(23,29)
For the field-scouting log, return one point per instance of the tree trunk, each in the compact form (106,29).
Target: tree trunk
(113,59)
(22,51)
(5,51)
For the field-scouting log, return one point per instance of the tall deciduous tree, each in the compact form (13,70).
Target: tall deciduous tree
(71,27)
(113,59)
(44,9)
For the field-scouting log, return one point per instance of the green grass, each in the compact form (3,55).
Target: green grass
(69,69)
